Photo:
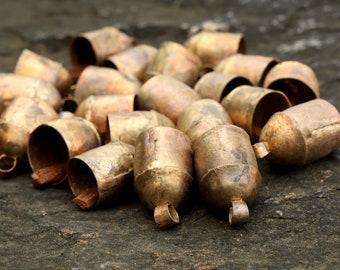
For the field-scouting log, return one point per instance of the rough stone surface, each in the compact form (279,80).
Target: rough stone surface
(295,222)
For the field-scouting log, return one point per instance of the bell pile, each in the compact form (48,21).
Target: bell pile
(161,123)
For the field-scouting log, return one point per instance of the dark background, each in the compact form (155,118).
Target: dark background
(295,220)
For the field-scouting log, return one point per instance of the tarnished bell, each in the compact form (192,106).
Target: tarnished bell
(13,85)
(297,80)
(212,46)
(96,108)
(175,60)
(102,175)
(133,61)
(165,95)
(216,85)
(93,47)
(227,171)
(301,134)
(17,122)
(201,116)
(163,172)
(250,107)
(99,81)
(253,67)
(32,64)
(126,126)
(51,146)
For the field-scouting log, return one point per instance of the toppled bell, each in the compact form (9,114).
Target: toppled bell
(165,95)
(32,64)
(212,46)
(163,172)
(103,175)
(297,80)
(53,144)
(126,126)
(175,60)
(301,134)
(227,171)
(250,107)
(133,61)
(253,67)
(201,116)
(217,85)
(17,122)
(13,85)
(93,47)
(99,81)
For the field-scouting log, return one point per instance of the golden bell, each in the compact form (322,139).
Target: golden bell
(201,116)
(250,107)
(163,172)
(51,146)
(17,122)
(297,80)
(216,85)
(165,95)
(133,61)
(252,67)
(212,46)
(13,85)
(102,175)
(93,47)
(175,60)
(99,81)
(227,171)
(301,134)
(32,64)
(126,126)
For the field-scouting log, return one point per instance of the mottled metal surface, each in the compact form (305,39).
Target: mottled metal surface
(295,219)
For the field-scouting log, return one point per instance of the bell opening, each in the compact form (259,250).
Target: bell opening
(242,46)
(82,52)
(270,65)
(236,82)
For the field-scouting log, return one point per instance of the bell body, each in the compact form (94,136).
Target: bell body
(297,80)
(106,171)
(99,81)
(35,65)
(252,67)
(51,145)
(96,108)
(126,126)
(163,171)
(14,85)
(301,134)
(93,47)
(227,169)
(175,60)
(165,95)
(201,116)
(17,122)
(250,107)
(133,61)
(212,47)
(216,85)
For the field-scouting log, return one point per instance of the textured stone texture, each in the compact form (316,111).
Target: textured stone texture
(295,221)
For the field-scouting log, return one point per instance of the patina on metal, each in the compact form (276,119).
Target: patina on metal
(101,176)
(32,64)
(227,171)
(17,122)
(250,107)
(297,80)
(126,126)
(175,60)
(301,134)
(213,46)
(51,145)
(253,67)
(163,172)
